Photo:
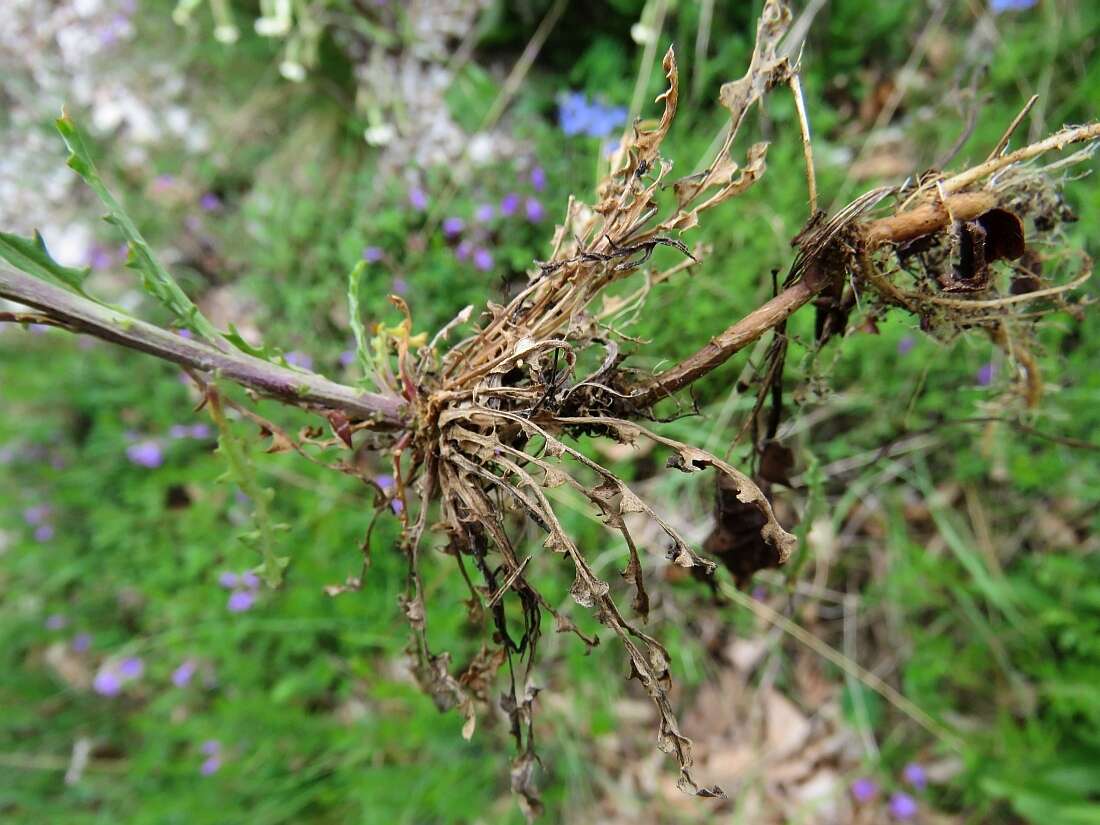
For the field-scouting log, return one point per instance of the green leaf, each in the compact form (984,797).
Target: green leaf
(31,256)
(362,345)
(243,472)
(236,339)
(154,277)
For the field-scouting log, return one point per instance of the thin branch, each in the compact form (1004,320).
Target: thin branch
(807,145)
(293,387)
(1059,140)
(912,224)
(1012,127)
(719,349)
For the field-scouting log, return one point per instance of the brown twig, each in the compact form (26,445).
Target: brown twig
(908,225)
(282,383)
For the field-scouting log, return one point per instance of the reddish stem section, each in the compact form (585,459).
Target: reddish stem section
(301,389)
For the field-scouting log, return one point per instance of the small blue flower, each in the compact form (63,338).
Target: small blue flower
(903,806)
(241,601)
(578,116)
(181,676)
(915,775)
(864,789)
(418,199)
(534,210)
(509,204)
(1001,6)
(145,454)
(986,374)
(296,358)
(483,259)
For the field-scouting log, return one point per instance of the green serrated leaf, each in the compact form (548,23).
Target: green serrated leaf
(242,470)
(154,278)
(236,339)
(31,256)
(362,345)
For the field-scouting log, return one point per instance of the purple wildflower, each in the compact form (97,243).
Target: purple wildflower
(864,789)
(145,454)
(483,259)
(400,286)
(1001,6)
(107,682)
(578,116)
(182,675)
(985,374)
(464,250)
(902,806)
(385,481)
(397,505)
(484,213)
(131,668)
(81,642)
(534,209)
(201,431)
(55,621)
(210,202)
(372,254)
(453,226)
(210,765)
(229,580)
(44,532)
(538,178)
(162,183)
(418,200)
(99,257)
(179,431)
(296,358)
(250,580)
(509,204)
(241,601)
(210,747)
(914,774)
(347,358)
(572,112)
(760,593)
(36,514)
(906,344)
(185,333)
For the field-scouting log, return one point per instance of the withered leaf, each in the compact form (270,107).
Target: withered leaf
(1004,235)
(776,463)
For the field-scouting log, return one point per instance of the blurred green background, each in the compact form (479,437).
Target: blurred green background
(953,556)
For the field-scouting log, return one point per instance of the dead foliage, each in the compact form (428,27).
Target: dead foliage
(491,424)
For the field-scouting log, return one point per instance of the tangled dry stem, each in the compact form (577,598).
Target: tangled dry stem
(477,433)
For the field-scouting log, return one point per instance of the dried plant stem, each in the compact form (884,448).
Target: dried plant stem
(1012,127)
(290,386)
(912,224)
(1059,140)
(922,220)
(807,146)
(719,349)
